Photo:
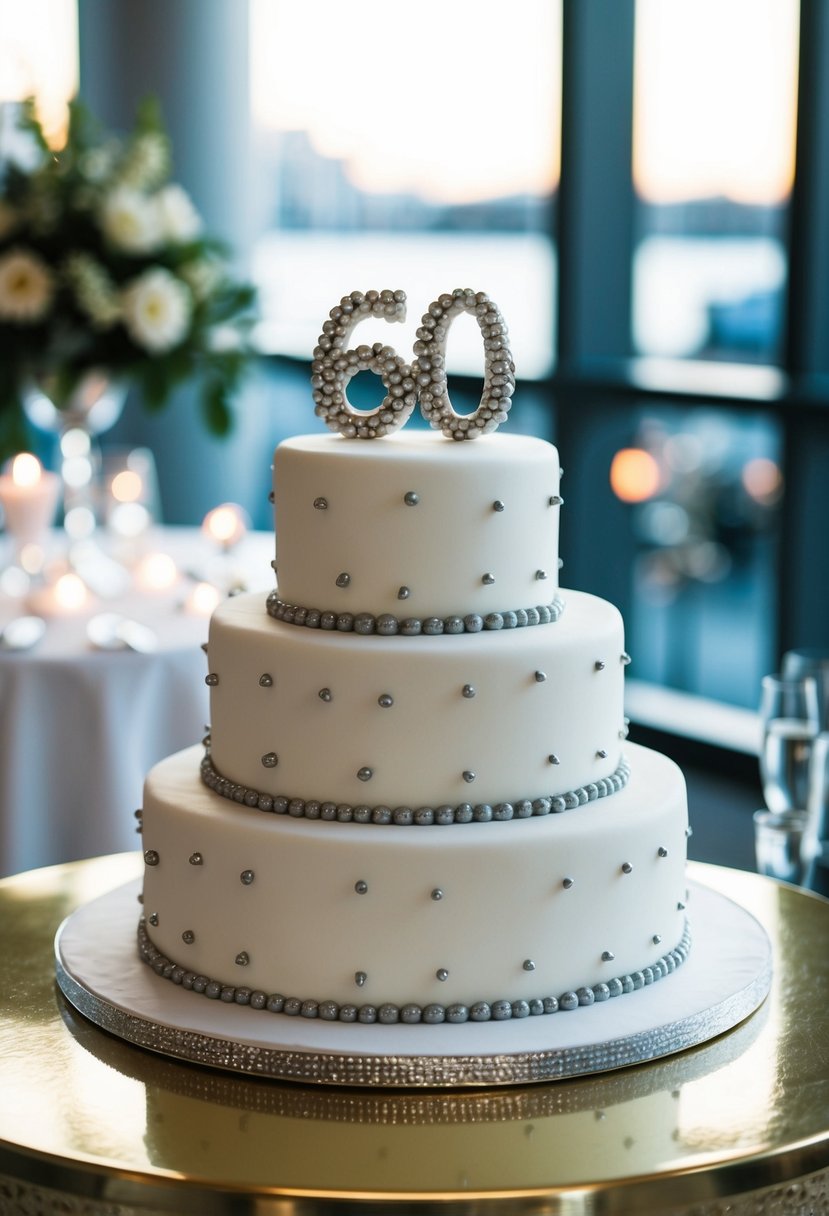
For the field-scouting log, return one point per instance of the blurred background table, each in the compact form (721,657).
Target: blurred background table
(80,726)
(92,1124)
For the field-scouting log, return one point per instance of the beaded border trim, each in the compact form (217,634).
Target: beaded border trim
(406,816)
(411,1014)
(388,625)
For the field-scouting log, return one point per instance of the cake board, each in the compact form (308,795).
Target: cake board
(725,978)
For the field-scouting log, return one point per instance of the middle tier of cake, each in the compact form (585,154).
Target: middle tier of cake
(467,720)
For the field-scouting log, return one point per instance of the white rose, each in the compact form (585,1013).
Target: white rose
(179,220)
(26,287)
(130,221)
(157,308)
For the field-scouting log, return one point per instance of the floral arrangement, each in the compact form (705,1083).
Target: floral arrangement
(104,266)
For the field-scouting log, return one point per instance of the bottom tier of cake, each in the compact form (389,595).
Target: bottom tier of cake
(467,918)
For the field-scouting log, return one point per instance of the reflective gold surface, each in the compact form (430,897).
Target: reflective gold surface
(100,1120)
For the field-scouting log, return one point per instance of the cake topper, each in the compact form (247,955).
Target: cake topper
(424,380)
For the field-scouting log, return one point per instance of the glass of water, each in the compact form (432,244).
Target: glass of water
(790,720)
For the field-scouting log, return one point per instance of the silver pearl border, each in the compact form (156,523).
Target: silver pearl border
(405,816)
(432,1014)
(389,625)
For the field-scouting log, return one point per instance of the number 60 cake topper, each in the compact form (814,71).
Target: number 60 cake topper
(424,380)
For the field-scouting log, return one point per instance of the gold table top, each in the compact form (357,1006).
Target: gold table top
(91,1124)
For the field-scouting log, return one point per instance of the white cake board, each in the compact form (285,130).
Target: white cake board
(725,978)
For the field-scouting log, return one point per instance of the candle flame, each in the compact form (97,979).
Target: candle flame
(26,469)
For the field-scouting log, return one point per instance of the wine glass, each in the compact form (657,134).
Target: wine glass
(790,721)
(811,661)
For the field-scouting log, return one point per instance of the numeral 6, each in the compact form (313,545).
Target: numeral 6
(425,379)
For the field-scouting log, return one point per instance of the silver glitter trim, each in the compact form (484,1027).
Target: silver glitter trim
(501,1010)
(387,624)
(404,816)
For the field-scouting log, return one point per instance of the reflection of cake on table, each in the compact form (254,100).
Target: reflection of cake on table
(417,803)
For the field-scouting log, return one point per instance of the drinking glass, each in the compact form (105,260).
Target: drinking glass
(790,721)
(778,844)
(811,661)
(816,837)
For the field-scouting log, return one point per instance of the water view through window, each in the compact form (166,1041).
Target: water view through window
(715,100)
(425,157)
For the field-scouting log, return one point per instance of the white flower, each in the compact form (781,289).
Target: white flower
(157,308)
(203,276)
(179,220)
(147,162)
(94,290)
(26,287)
(130,221)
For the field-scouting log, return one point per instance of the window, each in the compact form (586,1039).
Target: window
(426,154)
(715,90)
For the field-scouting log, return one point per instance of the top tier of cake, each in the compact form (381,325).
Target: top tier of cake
(415,526)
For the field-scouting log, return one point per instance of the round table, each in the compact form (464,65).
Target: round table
(80,727)
(90,1124)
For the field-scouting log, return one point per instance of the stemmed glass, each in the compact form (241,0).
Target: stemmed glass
(790,721)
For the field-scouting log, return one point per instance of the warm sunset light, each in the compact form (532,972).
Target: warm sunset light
(634,475)
(715,99)
(453,102)
(127,486)
(39,56)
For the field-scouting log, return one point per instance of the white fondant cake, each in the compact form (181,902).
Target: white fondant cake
(417,803)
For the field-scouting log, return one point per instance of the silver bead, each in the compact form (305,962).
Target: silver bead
(497,505)
(555,500)
(151,857)
(437,894)
(188,936)
(242,958)
(553,758)
(403,593)
(361,887)
(320,504)
(601,754)
(211,680)
(567,883)
(270,760)
(627,868)
(343,580)
(153,918)
(411,499)
(624,658)
(385,700)
(662,851)
(541,575)
(528,964)
(540,677)
(246,877)
(608,956)
(324,694)
(360,978)
(656,939)
(488,579)
(365,774)
(599,665)
(196,859)
(468,776)
(265,680)
(442,974)
(468,690)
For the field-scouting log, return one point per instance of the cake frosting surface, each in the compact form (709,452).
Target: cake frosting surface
(417,801)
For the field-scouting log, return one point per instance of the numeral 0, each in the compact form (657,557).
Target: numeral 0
(424,380)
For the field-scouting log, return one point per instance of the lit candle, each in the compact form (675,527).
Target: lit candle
(68,595)
(225,525)
(202,600)
(156,572)
(29,496)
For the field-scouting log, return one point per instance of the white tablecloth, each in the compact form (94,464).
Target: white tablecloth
(79,728)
